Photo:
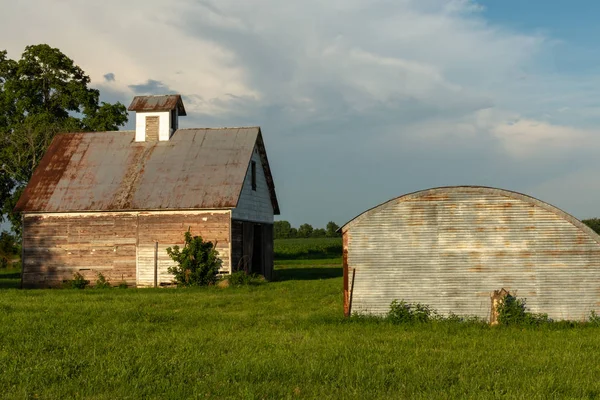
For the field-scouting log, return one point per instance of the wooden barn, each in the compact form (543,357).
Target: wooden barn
(451,247)
(112,202)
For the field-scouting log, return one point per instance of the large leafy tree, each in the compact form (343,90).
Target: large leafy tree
(42,94)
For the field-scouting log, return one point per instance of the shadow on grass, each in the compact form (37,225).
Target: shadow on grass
(305,274)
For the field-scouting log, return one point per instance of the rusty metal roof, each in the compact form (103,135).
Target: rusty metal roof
(441,191)
(157,103)
(109,171)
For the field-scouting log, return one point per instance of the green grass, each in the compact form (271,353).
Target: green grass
(10,278)
(307,249)
(283,339)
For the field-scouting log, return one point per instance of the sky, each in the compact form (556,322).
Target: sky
(359,101)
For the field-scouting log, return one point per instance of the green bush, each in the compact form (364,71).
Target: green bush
(594,318)
(101,282)
(197,263)
(402,312)
(241,278)
(78,281)
(513,311)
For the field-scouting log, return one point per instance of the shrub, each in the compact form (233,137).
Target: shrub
(594,318)
(402,312)
(101,282)
(241,278)
(78,281)
(197,263)
(512,311)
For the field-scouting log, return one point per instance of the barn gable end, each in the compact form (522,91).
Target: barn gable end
(450,248)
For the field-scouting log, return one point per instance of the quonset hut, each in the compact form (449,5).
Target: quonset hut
(112,202)
(451,247)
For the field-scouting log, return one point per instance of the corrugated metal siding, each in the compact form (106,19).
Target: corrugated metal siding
(450,248)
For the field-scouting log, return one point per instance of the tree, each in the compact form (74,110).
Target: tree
(293,233)
(319,233)
(593,223)
(42,94)
(8,249)
(282,229)
(305,230)
(332,228)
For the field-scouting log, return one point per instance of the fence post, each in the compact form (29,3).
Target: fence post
(155,264)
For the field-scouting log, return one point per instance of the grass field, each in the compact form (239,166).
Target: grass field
(282,339)
(307,249)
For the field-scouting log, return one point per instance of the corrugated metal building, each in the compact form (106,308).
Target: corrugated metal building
(451,247)
(100,202)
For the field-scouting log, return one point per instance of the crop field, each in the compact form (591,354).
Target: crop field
(308,249)
(284,339)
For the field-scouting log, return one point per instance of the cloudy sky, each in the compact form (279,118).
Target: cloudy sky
(360,101)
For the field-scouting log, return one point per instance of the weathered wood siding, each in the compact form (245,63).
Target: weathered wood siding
(55,246)
(168,231)
(255,205)
(450,248)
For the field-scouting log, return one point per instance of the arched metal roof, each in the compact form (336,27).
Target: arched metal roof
(438,192)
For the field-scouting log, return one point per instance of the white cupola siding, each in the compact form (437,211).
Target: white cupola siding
(255,202)
(152,126)
(156,117)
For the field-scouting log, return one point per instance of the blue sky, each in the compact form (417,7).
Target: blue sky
(572,23)
(360,101)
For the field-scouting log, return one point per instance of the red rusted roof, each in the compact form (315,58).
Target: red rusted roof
(157,103)
(109,171)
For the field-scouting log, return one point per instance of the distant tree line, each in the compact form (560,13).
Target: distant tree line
(284,230)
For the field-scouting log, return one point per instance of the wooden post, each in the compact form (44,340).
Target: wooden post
(22,249)
(351,293)
(155,264)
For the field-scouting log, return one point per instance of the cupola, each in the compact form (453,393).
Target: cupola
(156,117)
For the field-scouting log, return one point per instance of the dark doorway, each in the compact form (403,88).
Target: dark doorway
(252,247)
(257,250)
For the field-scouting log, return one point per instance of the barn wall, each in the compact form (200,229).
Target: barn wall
(255,205)
(168,231)
(57,245)
(451,249)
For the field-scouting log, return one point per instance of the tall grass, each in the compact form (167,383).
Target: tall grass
(283,339)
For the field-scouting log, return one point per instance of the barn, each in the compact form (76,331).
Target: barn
(451,247)
(112,202)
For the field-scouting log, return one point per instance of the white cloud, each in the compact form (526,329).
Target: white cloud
(431,80)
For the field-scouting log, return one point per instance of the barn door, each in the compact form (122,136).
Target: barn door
(248,245)
(257,250)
